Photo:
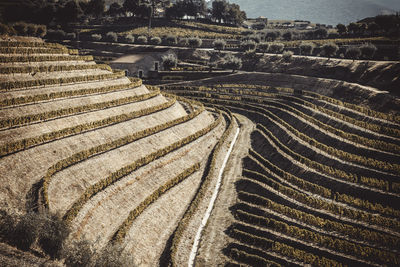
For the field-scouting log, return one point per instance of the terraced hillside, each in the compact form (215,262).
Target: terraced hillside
(319,184)
(122,163)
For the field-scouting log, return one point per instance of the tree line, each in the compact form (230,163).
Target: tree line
(72,11)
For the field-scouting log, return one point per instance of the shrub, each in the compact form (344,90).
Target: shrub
(96,37)
(141,39)
(20,28)
(248,32)
(287,56)
(287,36)
(171,40)
(169,61)
(306,48)
(368,50)
(54,232)
(78,254)
(276,48)
(195,42)
(183,41)
(232,62)
(155,40)
(31,29)
(112,37)
(6,30)
(55,34)
(255,37)
(113,256)
(248,45)
(129,39)
(7,223)
(70,36)
(25,231)
(263,47)
(353,52)
(41,31)
(259,26)
(330,49)
(219,44)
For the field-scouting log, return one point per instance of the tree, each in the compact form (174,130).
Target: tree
(219,10)
(353,52)
(263,47)
(288,36)
(219,44)
(71,12)
(373,27)
(306,48)
(287,56)
(53,233)
(115,9)
(342,29)
(330,49)
(169,61)
(320,33)
(276,48)
(235,15)
(195,42)
(271,36)
(176,11)
(171,40)
(96,7)
(353,28)
(368,50)
(232,62)
(131,6)
(248,45)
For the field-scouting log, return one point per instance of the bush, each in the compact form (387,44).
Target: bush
(183,41)
(96,37)
(248,45)
(287,56)
(25,231)
(112,37)
(31,29)
(129,39)
(169,61)
(259,26)
(54,232)
(287,36)
(141,39)
(232,62)
(112,256)
(55,34)
(368,50)
(70,36)
(330,49)
(195,42)
(171,40)
(20,28)
(255,37)
(155,40)
(6,30)
(219,44)
(41,31)
(263,47)
(276,48)
(7,223)
(306,48)
(78,254)
(353,52)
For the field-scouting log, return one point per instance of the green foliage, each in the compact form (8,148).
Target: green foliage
(195,42)
(111,37)
(306,48)
(141,39)
(155,40)
(368,50)
(78,253)
(263,47)
(219,44)
(26,231)
(169,61)
(232,62)
(54,232)
(248,45)
(171,40)
(330,49)
(287,56)
(96,37)
(353,52)
(276,47)
(130,39)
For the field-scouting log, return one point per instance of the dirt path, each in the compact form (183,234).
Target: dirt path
(213,238)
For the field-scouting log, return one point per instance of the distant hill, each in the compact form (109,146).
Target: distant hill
(322,11)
